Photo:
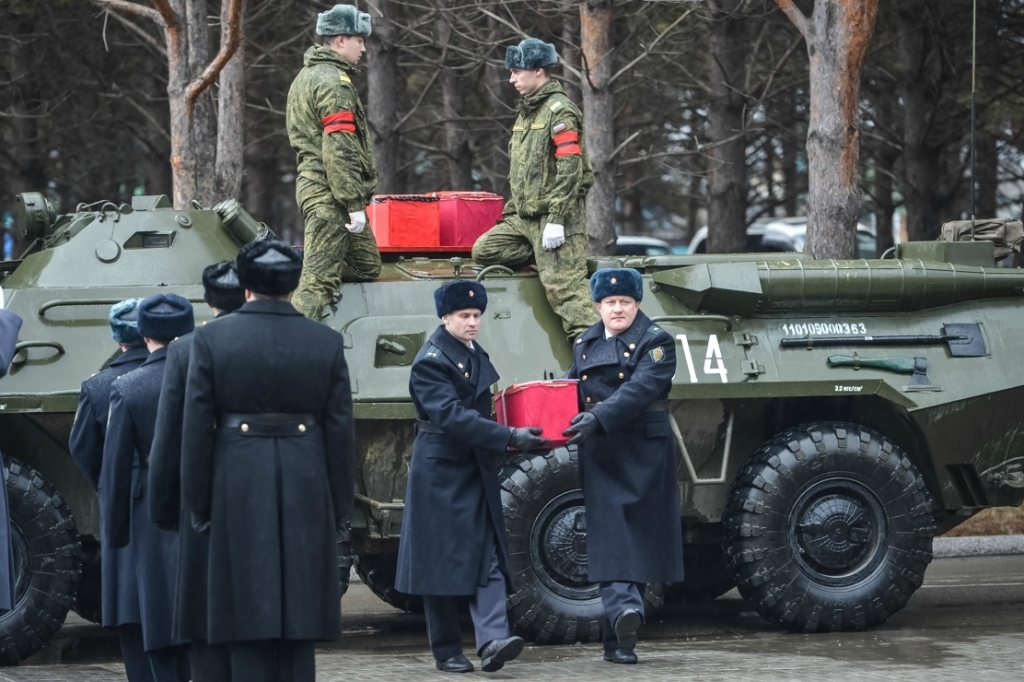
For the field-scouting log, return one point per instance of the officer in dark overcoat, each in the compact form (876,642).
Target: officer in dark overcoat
(119,591)
(10,325)
(627,461)
(453,539)
(268,470)
(124,513)
(210,663)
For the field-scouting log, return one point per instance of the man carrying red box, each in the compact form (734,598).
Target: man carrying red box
(550,174)
(624,365)
(453,533)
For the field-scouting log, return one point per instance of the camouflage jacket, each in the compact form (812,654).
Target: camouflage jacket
(327,128)
(549,168)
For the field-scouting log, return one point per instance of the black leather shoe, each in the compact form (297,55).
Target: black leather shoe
(498,652)
(626,626)
(455,664)
(625,656)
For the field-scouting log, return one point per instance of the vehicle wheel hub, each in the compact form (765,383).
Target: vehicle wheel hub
(834,532)
(559,542)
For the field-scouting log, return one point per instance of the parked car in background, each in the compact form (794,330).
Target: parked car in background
(641,246)
(785,234)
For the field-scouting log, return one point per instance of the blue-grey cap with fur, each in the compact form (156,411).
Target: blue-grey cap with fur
(268,267)
(165,317)
(221,287)
(617,282)
(460,295)
(124,320)
(530,54)
(343,20)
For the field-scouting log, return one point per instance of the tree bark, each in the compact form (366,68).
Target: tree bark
(570,55)
(458,153)
(502,103)
(204,111)
(599,122)
(837,35)
(384,84)
(727,224)
(988,175)
(919,73)
(231,115)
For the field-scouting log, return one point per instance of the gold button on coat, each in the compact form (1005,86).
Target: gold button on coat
(588,400)
(245,428)
(460,365)
(302,428)
(626,354)
(621,375)
(467,375)
(584,377)
(632,346)
(584,357)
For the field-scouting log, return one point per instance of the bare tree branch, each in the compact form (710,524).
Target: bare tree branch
(133,8)
(141,33)
(799,19)
(650,48)
(227,51)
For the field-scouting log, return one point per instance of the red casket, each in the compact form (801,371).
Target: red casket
(547,404)
(435,222)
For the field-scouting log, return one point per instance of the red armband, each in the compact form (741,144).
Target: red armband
(343,121)
(567,144)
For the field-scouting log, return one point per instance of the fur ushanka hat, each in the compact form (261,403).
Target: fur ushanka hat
(530,54)
(124,321)
(165,317)
(343,20)
(459,295)
(617,282)
(221,288)
(269,267)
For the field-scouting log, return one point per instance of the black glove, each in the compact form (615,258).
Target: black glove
(346,557)
(583,426)
(527,438)
(201,523)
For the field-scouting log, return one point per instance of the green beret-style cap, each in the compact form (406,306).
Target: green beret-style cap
(343,20)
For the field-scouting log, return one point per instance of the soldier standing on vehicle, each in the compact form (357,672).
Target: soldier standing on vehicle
(210,663)
(453,538)
(336,173)
(124,514)
(550,175)
(627,455)
(267,471)
(119,589)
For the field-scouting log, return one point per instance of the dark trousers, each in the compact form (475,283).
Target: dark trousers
(136,663)
(487,607)
(210,662)
(617,597)
(169,664)
(272,660)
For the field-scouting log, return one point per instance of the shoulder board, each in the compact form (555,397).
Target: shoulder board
(555,106)
(433,352)
(655,329)
(539,125)
(518,128)
(344,78)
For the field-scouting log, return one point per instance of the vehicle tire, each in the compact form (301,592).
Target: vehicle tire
(89,598)
(47,563)
(553,602)
(378,571)
(829,527)
(706,575)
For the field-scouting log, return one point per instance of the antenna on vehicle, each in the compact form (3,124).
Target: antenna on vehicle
(974,97)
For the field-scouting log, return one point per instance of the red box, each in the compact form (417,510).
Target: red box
(467,215)
(547,404)
(409,220)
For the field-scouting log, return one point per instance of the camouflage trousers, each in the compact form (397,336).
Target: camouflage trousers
(517,241)
(332,254)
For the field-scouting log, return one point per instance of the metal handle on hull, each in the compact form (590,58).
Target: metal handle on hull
(718,480)
(24,345)
(88,301)
(695,318)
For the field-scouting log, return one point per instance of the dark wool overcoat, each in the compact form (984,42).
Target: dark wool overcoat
(453,513)
(628,471)
(124,516)
(10,325)
(271,499)
(119,591)
(165,496)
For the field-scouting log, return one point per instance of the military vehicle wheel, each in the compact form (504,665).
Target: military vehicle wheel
(829,527)
(47,563)
(378,572)
(706,575)
(554,602)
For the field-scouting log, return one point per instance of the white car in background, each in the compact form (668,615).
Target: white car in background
(786,234)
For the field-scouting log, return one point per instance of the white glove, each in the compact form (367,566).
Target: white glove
(1,298)
(554,236)
(358,219)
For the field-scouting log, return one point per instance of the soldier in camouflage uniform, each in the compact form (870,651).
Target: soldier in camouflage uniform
(336,174)
(550,174)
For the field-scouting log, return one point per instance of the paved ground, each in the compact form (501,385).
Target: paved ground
(964,624)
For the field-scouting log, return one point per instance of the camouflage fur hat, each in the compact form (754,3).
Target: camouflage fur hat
(343,20)
(124,322)
(530,54)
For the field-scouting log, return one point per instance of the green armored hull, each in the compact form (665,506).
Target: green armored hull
(831,416)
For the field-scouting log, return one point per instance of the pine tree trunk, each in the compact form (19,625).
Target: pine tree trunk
(458,153)
(231,117)
(599,122)
(837,34)
(988,175)
(502,103)
(727,224)
(384,85)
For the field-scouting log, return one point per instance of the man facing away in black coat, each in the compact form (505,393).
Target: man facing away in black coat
(119,587)
(453,534)
(123,505)
(224,295)
(267,471)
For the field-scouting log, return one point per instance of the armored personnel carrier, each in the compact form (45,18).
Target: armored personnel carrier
(831,416)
